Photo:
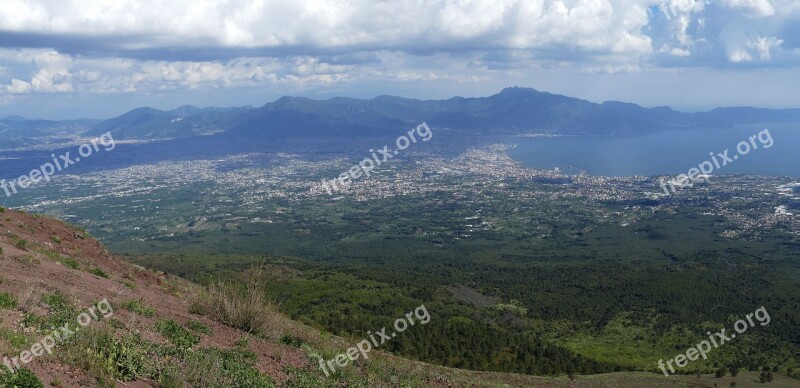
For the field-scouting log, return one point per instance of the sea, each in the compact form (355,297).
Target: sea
(774,152)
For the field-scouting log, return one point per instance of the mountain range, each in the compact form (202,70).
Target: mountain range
(513,110)
(18,131)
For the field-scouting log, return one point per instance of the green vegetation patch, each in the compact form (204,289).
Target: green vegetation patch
(199,327)
(71,263)
(7,301)
(16,340)
(177,335)
(62,310)
(109,358)
(23,378)
(138,306)
(97,271)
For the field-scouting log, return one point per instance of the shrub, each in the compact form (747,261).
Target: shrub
(62,310)
(115,323)
(123,359)
(177,335)
(243,343)
(23,378)
(246,308)
(139,307)
(98,272)
(21,244)
(292,341)
(17,340)
(215,368)
(7,301)
(105,356)
(199,327)
(71,263)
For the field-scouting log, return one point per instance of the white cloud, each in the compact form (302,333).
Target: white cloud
(685,25)
(610,69)
(760,47)
(764,46)
(593,24)
(243,43)
(680,52)
(52,72)
(752,8)
(718,33)
(19,87)
(740,55)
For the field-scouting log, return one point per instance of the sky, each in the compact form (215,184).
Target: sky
(90,58)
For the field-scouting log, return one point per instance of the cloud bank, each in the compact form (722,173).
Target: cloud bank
(126,46)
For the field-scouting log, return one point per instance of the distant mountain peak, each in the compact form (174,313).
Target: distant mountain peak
(185,110)
(15,118)
(518,90)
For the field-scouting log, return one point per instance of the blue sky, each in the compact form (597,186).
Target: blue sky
(91,58)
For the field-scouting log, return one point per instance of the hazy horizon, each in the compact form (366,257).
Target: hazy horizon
(171,105)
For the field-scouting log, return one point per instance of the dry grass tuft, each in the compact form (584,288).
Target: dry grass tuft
(246,308)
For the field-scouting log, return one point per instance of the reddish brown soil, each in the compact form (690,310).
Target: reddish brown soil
(27,273)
